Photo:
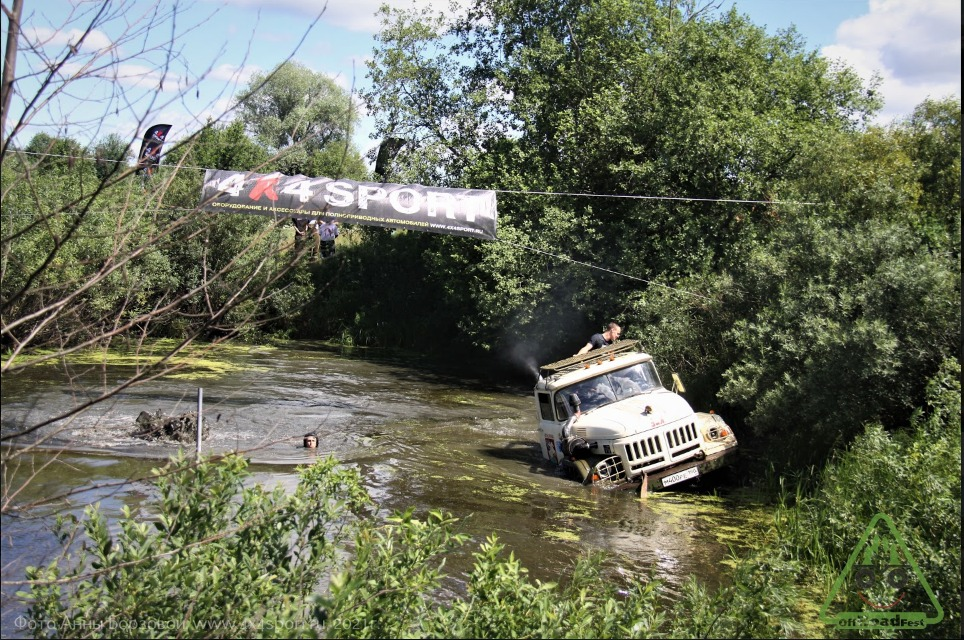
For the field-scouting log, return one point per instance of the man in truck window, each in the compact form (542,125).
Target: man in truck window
(599,340)
(626,383)
(592,393)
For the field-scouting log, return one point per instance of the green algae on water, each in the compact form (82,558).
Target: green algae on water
(191,362)
(561,534)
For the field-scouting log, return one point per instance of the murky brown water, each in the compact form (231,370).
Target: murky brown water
(420,436)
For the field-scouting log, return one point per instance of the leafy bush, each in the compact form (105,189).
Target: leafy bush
(218,560)
(761,602)
(394,588)
(834,345)
(915,478)
(390,592)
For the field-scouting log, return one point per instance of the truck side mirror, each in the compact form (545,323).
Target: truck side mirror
(678,385)
(574,402)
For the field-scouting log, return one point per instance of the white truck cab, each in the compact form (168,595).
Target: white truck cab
(606,416)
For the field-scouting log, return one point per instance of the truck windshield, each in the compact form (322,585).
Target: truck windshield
(608,388)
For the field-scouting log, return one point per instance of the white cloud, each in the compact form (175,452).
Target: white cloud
(354,15)
(233,74)
(914,46)
(95,41)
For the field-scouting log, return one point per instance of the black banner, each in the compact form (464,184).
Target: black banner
(150,155)
(460,212)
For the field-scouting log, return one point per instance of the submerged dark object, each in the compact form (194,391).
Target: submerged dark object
(180,428)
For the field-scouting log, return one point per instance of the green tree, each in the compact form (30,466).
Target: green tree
(934,132)
(227,236)
(850,324)
(842,309)
(297,113)
(64,225)
(49,154)
(669,101)
(111,155)
(219,147)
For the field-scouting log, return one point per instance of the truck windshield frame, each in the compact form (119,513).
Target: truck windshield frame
(607,388)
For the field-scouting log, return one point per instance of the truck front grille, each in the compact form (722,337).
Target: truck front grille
(680,436)
(661,448)
(643,448)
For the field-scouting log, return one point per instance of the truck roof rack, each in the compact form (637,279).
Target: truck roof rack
(581,361)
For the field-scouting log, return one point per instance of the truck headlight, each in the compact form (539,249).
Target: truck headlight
(716,432)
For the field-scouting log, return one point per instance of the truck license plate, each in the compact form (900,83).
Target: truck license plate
(674,478)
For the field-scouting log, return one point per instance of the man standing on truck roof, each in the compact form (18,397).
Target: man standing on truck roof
(599,340)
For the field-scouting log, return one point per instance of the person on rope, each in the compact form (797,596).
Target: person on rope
(328,232)
(301,231)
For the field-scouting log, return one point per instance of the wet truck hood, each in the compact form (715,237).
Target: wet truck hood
(630,416)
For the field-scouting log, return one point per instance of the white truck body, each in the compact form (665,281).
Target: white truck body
(606,415)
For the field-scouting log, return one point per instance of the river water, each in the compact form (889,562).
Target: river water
(421,435)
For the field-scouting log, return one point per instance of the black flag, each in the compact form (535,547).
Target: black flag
(150,155)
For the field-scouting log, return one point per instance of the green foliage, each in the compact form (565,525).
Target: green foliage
(216,559)
(393,589)
(86,252)
(213,147)
(761,602)
(111,155)
(337,160)
(395,571)
(838,328)
(292,104)
(365,295)
(686,325)
(303,117)
(858,177)
(212,555)
(502,603)
(75,261)
(617,97)
(424,97)
(61,156)
(245,244)
(914,477)
(934,137)
(218,255)
(837,313)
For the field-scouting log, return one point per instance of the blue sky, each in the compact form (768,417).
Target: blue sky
(914,45)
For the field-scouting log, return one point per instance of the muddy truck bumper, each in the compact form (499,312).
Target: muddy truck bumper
(690,470)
